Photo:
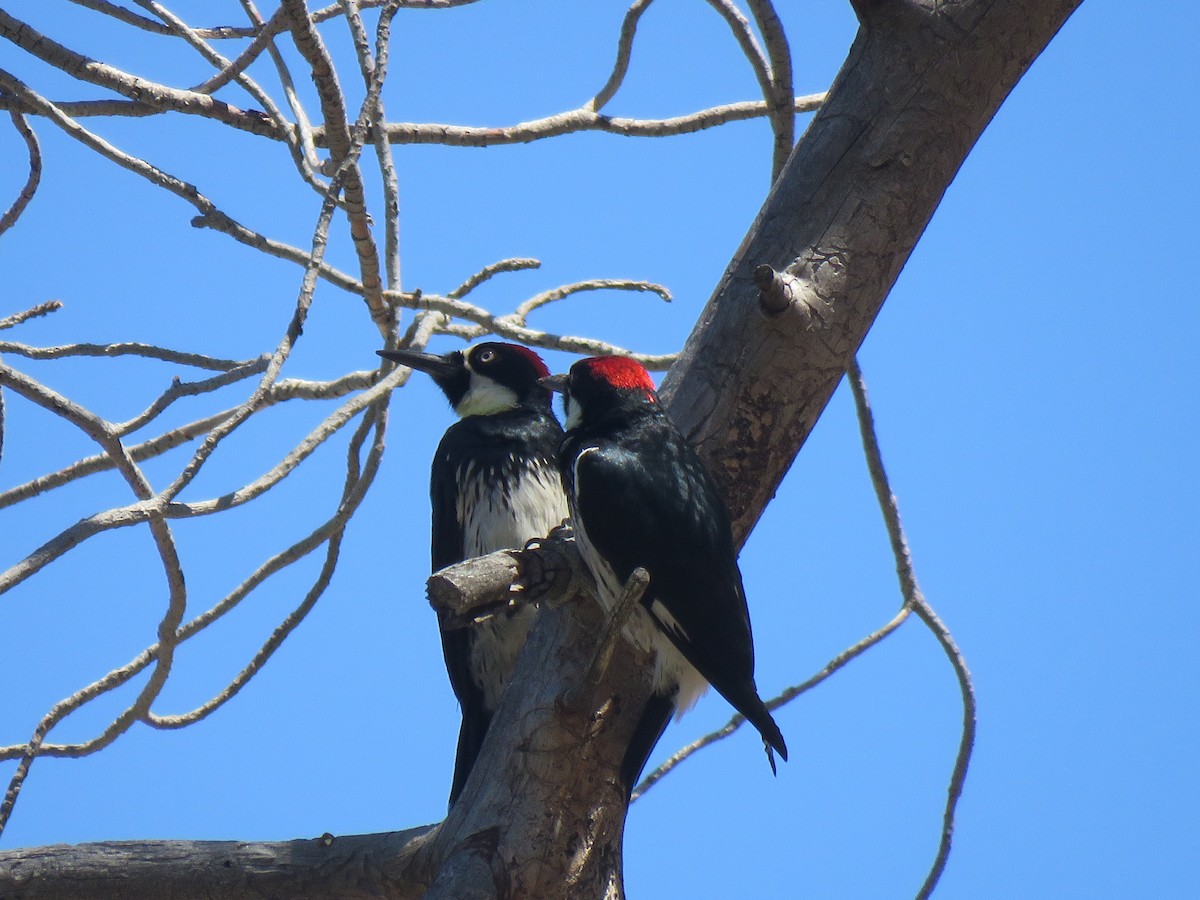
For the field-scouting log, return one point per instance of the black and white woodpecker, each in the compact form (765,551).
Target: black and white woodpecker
(494,485)
(640,497)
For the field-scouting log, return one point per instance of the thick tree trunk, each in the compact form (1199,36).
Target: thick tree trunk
(542,815)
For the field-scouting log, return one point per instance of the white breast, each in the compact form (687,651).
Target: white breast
(533,507)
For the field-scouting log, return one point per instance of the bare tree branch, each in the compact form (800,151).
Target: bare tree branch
(35,172)
(914,599)
(41,309)
(779,97)
(624,50)
(158,96)
(579,120)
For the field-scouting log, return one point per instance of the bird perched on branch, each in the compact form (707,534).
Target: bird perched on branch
(494,485)
(641,498)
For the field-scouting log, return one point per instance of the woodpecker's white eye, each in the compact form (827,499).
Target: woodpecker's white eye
(486,356)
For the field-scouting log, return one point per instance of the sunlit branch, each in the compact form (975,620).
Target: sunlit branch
(158,96)
(223,65)
(519,314)
(373,70)
(779,56)
(281,391)
(624,50)
(915,599)
(781,699)
(580,120)
(10,216)
(42,309)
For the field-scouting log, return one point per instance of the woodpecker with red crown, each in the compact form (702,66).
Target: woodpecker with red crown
(640,497)
(494,485)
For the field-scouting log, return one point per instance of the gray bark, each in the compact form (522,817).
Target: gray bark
(542,815)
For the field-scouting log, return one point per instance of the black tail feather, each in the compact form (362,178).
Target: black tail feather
(475,722)
(650,727)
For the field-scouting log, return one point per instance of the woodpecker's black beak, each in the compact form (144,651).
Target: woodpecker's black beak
(438,366)
(554,383)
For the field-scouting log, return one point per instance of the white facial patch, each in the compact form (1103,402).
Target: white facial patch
(572,411)
(485,397)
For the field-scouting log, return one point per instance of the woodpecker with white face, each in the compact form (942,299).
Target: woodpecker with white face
(640,497)
(494,486)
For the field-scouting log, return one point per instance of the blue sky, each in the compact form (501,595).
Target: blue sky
(1034,381)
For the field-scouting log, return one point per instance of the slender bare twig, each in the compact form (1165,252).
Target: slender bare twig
(157,96)
(100,431)
(583,119)
(781,699)
(915,599)
(624,50)
(353,492)
(223,65)
(253,50)
(35,172)
(281,391)
(224,32)
(571,122)
(744,35)
(417,337)
(519,314)
(373,70)
(320,241)
(180,389)
(517,264)
(304,131)
(125,348)
(42,309)
(129,17)
(344,152)
(779,54)
(210,216)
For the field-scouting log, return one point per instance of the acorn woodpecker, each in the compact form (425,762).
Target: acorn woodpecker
(640,497)
(494,486)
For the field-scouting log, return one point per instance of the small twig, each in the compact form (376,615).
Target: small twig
(624,51)
(583,119)
(262,41)
(42,309)
(344,147)
(783,119)
(282,391)
(783,698)
(517,264)
(304,131)
(519,314)
(915,599)
(179,389)
(353,491)
(235,73)
(141,90)
(655,362)
(631,594)
(126,348)
(744,35)
(373,71)
(132,18)
(32,180)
